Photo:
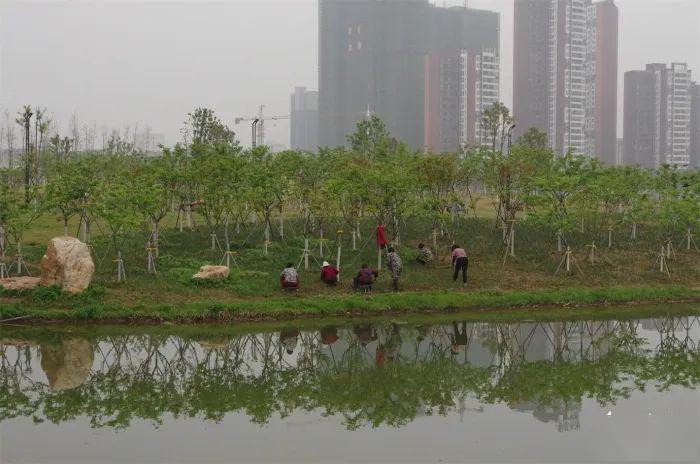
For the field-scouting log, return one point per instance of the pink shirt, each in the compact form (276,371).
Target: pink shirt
(459,253)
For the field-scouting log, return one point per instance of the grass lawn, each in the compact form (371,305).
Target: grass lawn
(624,272)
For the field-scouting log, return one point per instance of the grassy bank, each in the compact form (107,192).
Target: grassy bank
(567,301)
(622,273)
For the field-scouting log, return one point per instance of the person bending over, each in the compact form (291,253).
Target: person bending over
(460,262)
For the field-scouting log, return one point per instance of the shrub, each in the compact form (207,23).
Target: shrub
(89,312)
(47,294)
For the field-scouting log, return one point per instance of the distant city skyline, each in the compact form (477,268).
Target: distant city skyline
(79,59)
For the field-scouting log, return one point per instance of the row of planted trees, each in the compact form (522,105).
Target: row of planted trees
(210,181)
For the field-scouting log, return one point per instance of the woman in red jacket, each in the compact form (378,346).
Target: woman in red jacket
(329,274)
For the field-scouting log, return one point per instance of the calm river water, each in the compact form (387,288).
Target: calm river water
(577,391)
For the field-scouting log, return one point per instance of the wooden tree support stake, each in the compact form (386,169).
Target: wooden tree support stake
(567,261)
(591,253)
(305,255)
(19,263)
(228,257)
(151,259)
(610,231)
(690,241)
(121,274)
(559,244)
(670,250)
(511,239)
(267,239)
(510,242)
(155,238)
(337,261)
(662,262)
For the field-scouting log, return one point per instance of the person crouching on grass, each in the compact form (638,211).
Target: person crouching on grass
(460,262)
(289,278)
(329,274)
(365,278)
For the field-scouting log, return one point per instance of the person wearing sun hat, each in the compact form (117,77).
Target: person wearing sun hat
(329,274)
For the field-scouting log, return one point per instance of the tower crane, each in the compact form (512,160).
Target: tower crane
(258,126)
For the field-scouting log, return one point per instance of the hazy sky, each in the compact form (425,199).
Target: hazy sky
(119,63)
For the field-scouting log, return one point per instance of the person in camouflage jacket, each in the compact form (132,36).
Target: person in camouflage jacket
(395,266)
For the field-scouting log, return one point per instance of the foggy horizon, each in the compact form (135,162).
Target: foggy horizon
(119,64)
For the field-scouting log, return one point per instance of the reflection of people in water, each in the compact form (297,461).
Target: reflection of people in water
(365,333)
(67,365)
(389,349)
(289,339)
(459,338)
(329,335)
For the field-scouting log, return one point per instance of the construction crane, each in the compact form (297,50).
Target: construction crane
(258,125)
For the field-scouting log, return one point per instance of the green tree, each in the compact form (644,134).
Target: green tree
(371,138)
(18,211)
(60,148)
(534,138)
(218,174)
(497,123)
(69,189)
(203,128)
(115,200)
(553,198)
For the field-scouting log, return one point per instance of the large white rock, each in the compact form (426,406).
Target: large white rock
(68,264)
(212,273)
(19,284)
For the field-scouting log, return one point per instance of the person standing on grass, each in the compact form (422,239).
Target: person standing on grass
(396,267)
(289,278)
(425,256)
(329,274)
(460,262)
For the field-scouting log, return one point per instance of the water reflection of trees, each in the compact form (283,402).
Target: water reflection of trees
(375,375)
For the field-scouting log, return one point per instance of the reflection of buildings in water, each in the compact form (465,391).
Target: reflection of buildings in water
(564,413)
(67,365)
(416,356)
(567,341)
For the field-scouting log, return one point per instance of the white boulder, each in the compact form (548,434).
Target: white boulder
(212,273)
(68,264)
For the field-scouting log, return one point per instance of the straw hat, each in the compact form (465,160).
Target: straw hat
(325,263)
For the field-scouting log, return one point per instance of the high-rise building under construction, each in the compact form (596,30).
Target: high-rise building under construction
(428,72)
